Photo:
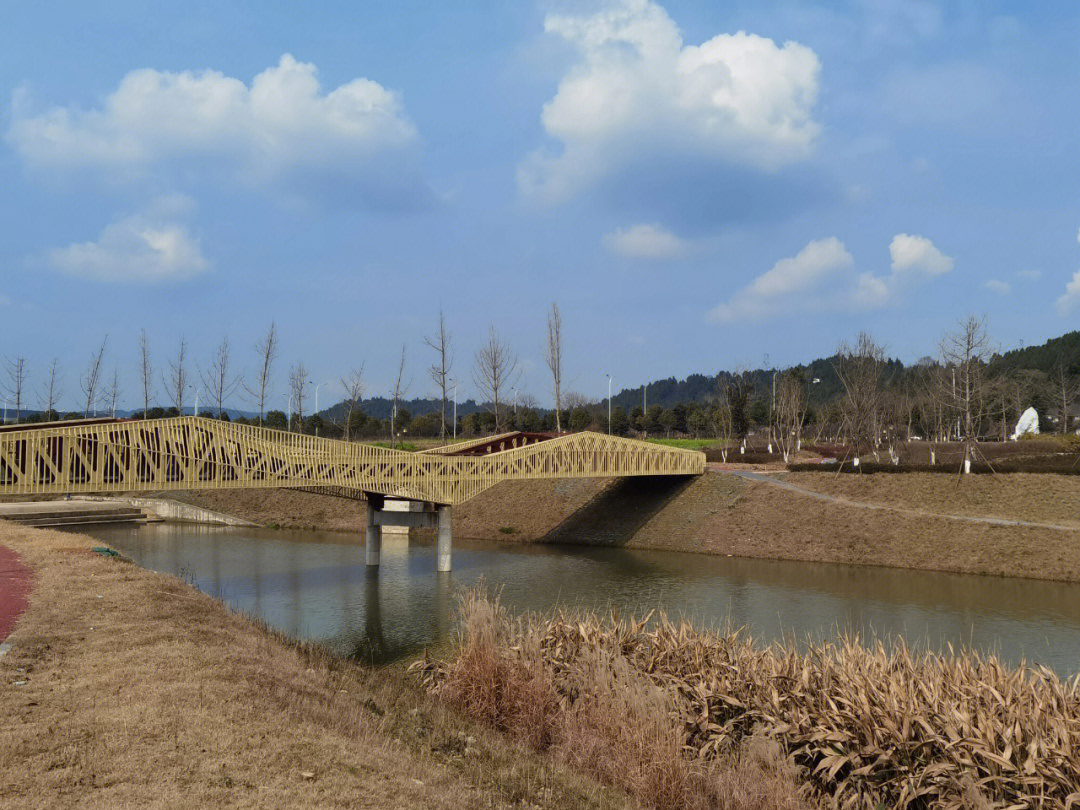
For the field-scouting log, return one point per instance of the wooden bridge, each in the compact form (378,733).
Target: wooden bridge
(190,453)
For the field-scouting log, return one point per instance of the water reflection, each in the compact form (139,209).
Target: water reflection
(315,586)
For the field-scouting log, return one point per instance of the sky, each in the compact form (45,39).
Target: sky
(699,185)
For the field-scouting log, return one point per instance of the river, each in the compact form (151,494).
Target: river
(314,585)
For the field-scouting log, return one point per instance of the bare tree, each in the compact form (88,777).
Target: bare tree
(298,383)
(722,416)
(790,411)
(146,373)
(112,394)
(353,386)
(860,370)
(440,369)
(177,382)
(554,359)
(400,389)
(966,352)
(51,390)
(16,385)
(267,349)
(496,370)
(218,381)
(91,380)
(1065,388)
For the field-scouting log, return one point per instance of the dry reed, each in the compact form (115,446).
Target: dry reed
(865,727)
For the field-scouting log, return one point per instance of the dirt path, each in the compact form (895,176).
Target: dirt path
(843,501)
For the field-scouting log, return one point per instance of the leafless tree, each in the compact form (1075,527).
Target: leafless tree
(553,357)
(440,369)
(146,373)
(267,349)
(401,388)
(91,380)
(860,370)
(298,383)
(16,383)
(112,394)
(496,370)
(722,416)
(51,390)
(219,382)
(790,411)
(177,382)
(1065,389)
(965,352)
(353,385)
(574,399)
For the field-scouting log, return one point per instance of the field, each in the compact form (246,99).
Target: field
(677,716)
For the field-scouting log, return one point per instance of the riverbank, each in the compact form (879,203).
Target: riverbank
(123,687)
(919,520)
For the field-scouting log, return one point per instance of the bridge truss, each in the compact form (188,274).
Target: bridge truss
(188,453)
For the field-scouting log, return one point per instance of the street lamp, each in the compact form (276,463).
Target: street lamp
(609,404)
(455,384)
(317,405)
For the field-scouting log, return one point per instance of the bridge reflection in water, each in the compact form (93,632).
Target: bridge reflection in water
(316,586)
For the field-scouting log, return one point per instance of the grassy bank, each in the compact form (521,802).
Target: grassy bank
(720,513)
(680,717)
(125,688)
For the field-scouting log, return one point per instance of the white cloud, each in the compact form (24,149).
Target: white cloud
(1030,274)
(639,93)
(1078,236)
(1002,287)
(822,277)
(1069,300)
(919,254)
(134,249)
(645,241)
(283,123)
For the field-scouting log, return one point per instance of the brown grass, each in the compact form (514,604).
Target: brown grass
(1012,496)
(680,717)
(138,691)
(599,715)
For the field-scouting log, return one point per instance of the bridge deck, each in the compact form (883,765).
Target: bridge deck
(197,453)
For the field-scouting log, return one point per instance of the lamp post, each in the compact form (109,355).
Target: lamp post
(609,404)
(455,408)
(317,405)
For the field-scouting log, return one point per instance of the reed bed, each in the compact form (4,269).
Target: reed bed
(859,727)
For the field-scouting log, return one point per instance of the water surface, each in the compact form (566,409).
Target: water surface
(314,585)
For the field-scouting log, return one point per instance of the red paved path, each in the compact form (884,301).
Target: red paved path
(15,582)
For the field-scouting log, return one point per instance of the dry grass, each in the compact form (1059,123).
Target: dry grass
(680,717)
(1012,496)
(600,715)
(138,691)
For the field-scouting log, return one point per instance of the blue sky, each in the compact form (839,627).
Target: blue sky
(697,184)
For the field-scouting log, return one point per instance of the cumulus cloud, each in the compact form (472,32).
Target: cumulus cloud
(1001,287)
(639,94)
(822,277)
(281,126)
(645,241)
(917,253)
(1069,300)
(134,249)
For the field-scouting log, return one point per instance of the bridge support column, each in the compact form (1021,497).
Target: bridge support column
(445,538)
(373,532)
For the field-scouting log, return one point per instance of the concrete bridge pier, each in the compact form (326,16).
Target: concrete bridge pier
(445,537)
(432,516)
(373,532)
